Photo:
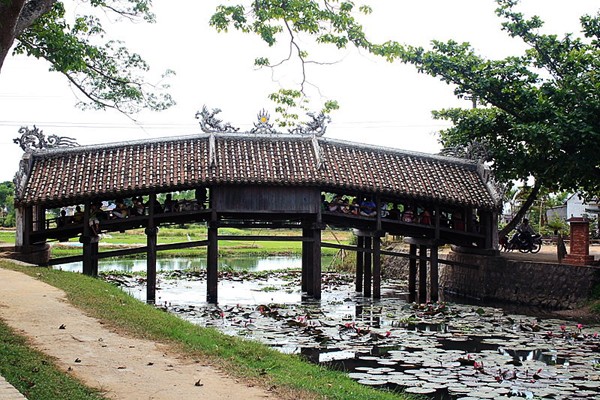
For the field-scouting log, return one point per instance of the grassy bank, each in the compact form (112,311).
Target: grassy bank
(34,374)
(244,359)
(136,237)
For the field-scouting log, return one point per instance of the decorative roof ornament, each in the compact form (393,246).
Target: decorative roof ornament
(263,125)
(210,124)
(316,127)
(474,150)
(34,139)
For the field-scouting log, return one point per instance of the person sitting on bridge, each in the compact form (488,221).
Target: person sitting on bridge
(335,204)
(78,216)
(368,208)
(408,215)
(62,220)
(394,212)
(457,221)
(200,195)
(354,207)
(94,220)
(169,205)
(120,210)
(425,217)
(138,207)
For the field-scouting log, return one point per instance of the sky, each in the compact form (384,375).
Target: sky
(381,103)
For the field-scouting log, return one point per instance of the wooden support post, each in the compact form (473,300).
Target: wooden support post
(212,259)
(423,274)
(376,267)
(151,239)
(434,276)
(368,263)
(305,260)
(360,243)
(316,263)
(86,240)
(412,274)
(94,257)
(27,226)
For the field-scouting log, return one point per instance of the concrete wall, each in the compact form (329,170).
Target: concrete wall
(537,284)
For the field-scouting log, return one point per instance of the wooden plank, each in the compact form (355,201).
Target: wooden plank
(266,199)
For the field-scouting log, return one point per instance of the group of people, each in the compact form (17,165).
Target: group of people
(365,206)
(133,207)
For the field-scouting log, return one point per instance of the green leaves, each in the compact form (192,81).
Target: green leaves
(329,22)
(107,74)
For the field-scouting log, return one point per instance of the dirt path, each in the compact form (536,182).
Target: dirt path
(122,367)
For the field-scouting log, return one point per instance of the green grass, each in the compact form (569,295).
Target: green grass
(34,374)
(136,237)
(244,359)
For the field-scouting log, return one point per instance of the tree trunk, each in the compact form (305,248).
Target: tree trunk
(522,211)
(9,17)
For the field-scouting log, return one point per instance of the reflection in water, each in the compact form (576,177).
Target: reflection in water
(244,263)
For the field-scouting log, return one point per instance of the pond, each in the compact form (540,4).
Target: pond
(443,351)
(242,263)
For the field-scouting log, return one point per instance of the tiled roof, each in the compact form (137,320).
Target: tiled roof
(66,176)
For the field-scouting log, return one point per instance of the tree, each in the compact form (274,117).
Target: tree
(104,71)
(330,22)
(538,113)
(7,198)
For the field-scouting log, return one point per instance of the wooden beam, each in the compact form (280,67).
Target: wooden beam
(265,238)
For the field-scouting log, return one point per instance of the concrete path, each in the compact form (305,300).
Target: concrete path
(8,392)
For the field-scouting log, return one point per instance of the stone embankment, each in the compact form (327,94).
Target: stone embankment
(528,279)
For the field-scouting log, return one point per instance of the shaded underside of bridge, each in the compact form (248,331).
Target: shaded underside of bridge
(266,181)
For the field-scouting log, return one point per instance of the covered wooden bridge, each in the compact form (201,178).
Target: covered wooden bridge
(261,179)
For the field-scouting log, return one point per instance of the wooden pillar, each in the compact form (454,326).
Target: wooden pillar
(368,262)
(212,259)
(360,240)
(422,274)
(306,233)
(316,263)
(412,273)
(27,226)
(434,286)
(86,240)
(376,267)
(151,239)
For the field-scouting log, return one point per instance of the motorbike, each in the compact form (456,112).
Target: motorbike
(519,241)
